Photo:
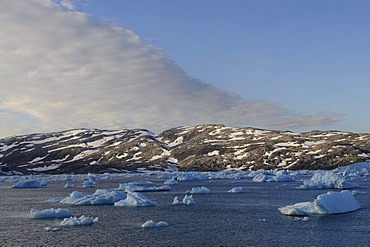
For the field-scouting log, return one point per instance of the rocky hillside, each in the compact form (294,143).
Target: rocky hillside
(197,148)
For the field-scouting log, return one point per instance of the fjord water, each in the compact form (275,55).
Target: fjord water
(250,218)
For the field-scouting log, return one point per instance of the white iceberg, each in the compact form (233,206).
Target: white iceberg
(187,200)
(273,176)
(74,221)
(236,190)
(327,180)
(152,224)
(135,199)
(50,213)
(199,190)
(30,184)
(99,197)
(139,188)
(329,203)
(355,170)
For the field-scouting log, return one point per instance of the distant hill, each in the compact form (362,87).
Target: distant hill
(194,148)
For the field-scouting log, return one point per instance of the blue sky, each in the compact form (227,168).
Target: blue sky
(297,65)
(307,56)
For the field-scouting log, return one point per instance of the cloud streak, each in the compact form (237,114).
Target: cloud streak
(61,70)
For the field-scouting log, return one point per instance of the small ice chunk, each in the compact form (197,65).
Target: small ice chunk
(198,190)
(187,200)
(68,185)
(74,221)
(152,224)
(329,203)
(50,213)
(88,184)
(52,229)
(30,184)
(236,190)
(135,199)
(54,199)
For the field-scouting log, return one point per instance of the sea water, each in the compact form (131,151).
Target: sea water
(250,218)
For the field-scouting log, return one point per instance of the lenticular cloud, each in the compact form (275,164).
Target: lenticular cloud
(60,69)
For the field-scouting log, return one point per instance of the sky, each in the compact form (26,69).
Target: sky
(115,64)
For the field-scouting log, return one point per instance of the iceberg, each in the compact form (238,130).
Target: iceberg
(279,176)
(327,180)
(135,199)
(50,213)
(30,184)
(152,224)
(74,221)
(329,203)
(138,188)
(99,197)
(355,170)
(187,200)
(198,190)
(236,190)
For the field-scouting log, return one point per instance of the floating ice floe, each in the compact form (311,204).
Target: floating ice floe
(190,176)
(199,190)
(99,197)
(139,188)
(74,221)
(54,199)
(273,176)
(52,229)
(30,184)
(329,203)
(187,200)
(327,180)
(236,190)
(152,224)
(135,199)
(50,213)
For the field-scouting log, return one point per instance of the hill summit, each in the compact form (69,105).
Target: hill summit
(190,148)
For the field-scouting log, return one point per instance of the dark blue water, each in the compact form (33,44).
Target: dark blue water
(250,218)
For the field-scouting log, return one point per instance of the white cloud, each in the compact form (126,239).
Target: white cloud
(62,70)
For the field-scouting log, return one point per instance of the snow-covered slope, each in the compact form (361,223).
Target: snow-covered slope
(204,147)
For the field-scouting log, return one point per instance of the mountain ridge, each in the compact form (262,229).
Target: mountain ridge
(211,147)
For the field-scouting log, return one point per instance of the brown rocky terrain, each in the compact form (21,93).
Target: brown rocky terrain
(194,148)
